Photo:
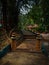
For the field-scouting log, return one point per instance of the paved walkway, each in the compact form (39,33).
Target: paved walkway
(24,58)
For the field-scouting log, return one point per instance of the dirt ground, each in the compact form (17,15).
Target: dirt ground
(24,58)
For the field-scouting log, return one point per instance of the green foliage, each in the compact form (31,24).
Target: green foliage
(45,7)
(34,16)
(24,21)
(36,13)
(41,28)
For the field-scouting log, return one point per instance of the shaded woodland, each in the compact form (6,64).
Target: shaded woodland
(21,13)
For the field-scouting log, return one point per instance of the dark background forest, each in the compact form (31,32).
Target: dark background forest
(22,13)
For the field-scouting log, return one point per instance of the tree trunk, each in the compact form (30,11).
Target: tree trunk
(4,10)
(10,14)
(13,17)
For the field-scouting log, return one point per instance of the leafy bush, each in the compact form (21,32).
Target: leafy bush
(41,28)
